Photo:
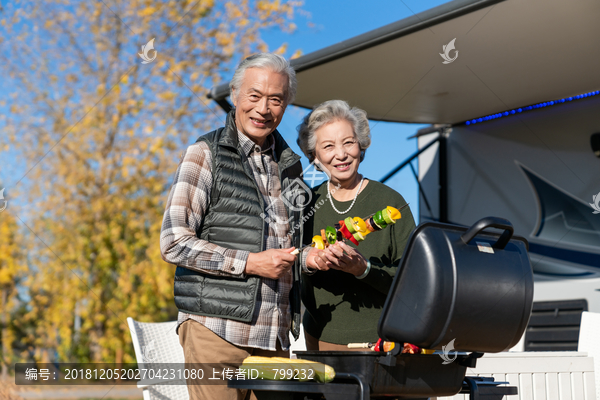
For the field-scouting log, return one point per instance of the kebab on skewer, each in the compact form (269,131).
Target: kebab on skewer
(356,229)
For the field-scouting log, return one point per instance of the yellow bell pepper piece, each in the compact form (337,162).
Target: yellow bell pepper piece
(318,242)
(388,346)
(360,226)
(394,213)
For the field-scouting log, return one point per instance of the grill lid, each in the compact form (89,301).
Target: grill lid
(460,288)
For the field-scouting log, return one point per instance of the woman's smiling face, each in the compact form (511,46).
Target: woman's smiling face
(338,151)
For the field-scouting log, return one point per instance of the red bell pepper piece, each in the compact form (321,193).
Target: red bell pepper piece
(412,349)
(347,233)
(378,345)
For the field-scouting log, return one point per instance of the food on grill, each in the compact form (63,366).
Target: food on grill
(323,372)
(356,229)
(266,368)
(411,349)
(279,368)
(386,347)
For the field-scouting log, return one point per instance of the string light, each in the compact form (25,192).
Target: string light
(529,108)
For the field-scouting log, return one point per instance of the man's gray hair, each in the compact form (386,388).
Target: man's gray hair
(275,63)
(326,113)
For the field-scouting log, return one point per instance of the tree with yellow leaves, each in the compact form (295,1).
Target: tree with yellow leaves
(12,271)
(101,115)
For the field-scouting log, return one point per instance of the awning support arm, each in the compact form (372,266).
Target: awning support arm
(408,160)
(422,191)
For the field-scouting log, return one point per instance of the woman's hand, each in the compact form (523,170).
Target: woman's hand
(316,259)
(342,257)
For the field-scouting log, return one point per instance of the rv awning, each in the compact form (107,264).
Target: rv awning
(511,54)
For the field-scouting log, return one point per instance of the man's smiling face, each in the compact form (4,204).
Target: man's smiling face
(260,102)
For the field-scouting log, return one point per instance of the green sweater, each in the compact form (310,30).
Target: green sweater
(340,308)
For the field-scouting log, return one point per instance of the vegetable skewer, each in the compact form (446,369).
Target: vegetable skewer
(355,229)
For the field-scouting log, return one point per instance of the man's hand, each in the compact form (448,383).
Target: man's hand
(270,263)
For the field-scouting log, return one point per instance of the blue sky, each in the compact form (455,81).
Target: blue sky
(333,22)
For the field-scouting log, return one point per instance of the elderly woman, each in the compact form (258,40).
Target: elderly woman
(344,297)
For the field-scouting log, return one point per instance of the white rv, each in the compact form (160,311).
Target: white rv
(512,90)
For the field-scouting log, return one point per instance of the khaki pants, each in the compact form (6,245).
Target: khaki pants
(202,346)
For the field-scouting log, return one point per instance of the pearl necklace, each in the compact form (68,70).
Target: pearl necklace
(353,201)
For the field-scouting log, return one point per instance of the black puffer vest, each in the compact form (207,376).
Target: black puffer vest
(236,220)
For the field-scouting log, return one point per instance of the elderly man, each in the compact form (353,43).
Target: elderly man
(228,226)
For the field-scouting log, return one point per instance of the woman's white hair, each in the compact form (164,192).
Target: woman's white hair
(275,63)
(326,113)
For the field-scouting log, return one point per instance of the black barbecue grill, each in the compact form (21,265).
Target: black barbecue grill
(456,285)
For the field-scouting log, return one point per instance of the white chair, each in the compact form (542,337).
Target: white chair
(589,341)
(158,343)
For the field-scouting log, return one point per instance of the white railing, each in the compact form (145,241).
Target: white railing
(553,375)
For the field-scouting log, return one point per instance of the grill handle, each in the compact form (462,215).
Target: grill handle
(490,222)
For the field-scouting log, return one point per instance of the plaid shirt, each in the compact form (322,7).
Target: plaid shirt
(187,204)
